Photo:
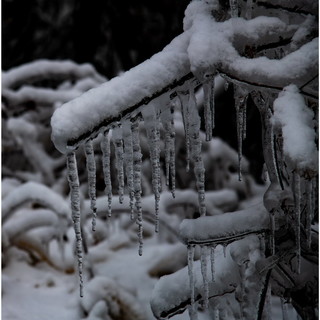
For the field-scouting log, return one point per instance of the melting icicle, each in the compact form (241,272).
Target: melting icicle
(240,97)
(204,266)
(118,144)
(152,125)
(184,101)
(167,119)
(224,247)
(309,212)
(192,310)
(249,9)
(137,160)
(208,90)
(91,168)
(297,220)
(105,148)
(284,309)
(75,208)
(195,142)
(128,161)
(212,263)
(234,8)
(272,236)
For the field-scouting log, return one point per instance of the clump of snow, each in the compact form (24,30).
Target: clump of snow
(296,121)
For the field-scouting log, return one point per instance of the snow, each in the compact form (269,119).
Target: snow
(34,192)
(296,121)
(225,226)
(112,98)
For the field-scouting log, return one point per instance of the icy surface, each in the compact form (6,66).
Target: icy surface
(296,121)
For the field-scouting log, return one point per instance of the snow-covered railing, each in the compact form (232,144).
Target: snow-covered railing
(262,57)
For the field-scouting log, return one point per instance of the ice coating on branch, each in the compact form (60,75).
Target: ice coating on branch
(207,229)
(105,147)
(195,145)
(117,95)
(296,121)
(137,161)
(192,309)
(91,169)
(75,208)
(272,235)
(184,102)
(240,97)
(297,218)
(151,118)
(204,267)
(208,90)
(118,146)
(167,119)
(128,161)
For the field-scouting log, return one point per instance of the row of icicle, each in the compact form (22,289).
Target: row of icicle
(128,160)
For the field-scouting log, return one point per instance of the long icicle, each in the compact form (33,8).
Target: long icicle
(297,196)
(208,91)
(128,161)
(137,161)
(118,144)
(212,263)
(152,125)
(75,208)
(105,148)
(240,99)
(195,143)
(204,267)
(167,119)
(192,310)
(309,212)
(284,309)
(91,168)
(184,102)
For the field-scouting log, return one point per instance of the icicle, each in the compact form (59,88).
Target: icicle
(203,261)
(137,160)
(167,119)
(296,186)
(249,9)
(208,90)
(118,144)
(272,236)
(195,142)
(105,147)
(192,310)
(91,168)
(240,97)
(309,212)
(128,161)
(212,263)
(224,247)
(184,100)
(284,309)
(152,125)
(75,208)
(234,8)
(264,172)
